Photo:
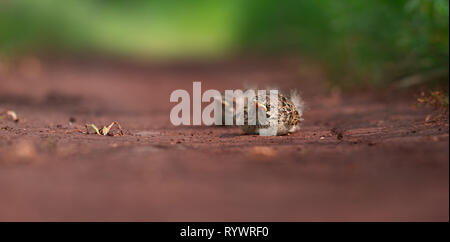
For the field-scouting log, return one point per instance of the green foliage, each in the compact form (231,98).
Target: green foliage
(157,29)
(361,43)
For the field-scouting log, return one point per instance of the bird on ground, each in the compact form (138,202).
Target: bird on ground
(280,116)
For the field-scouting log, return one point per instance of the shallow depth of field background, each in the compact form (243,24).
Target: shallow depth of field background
(359,43)
(373,143)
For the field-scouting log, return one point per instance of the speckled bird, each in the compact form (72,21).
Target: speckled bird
(290,111)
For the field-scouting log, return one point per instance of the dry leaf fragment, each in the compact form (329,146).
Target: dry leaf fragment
(92,126)
(105,130)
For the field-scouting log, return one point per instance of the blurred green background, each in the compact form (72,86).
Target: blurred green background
(360,43)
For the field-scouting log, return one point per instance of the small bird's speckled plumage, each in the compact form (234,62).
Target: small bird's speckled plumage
(289,117)
(290,111)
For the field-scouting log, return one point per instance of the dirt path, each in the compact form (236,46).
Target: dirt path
(387,164)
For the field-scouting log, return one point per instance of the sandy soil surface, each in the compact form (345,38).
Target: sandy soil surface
(357,157)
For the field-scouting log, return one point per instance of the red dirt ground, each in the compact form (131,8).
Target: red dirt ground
(389,165)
